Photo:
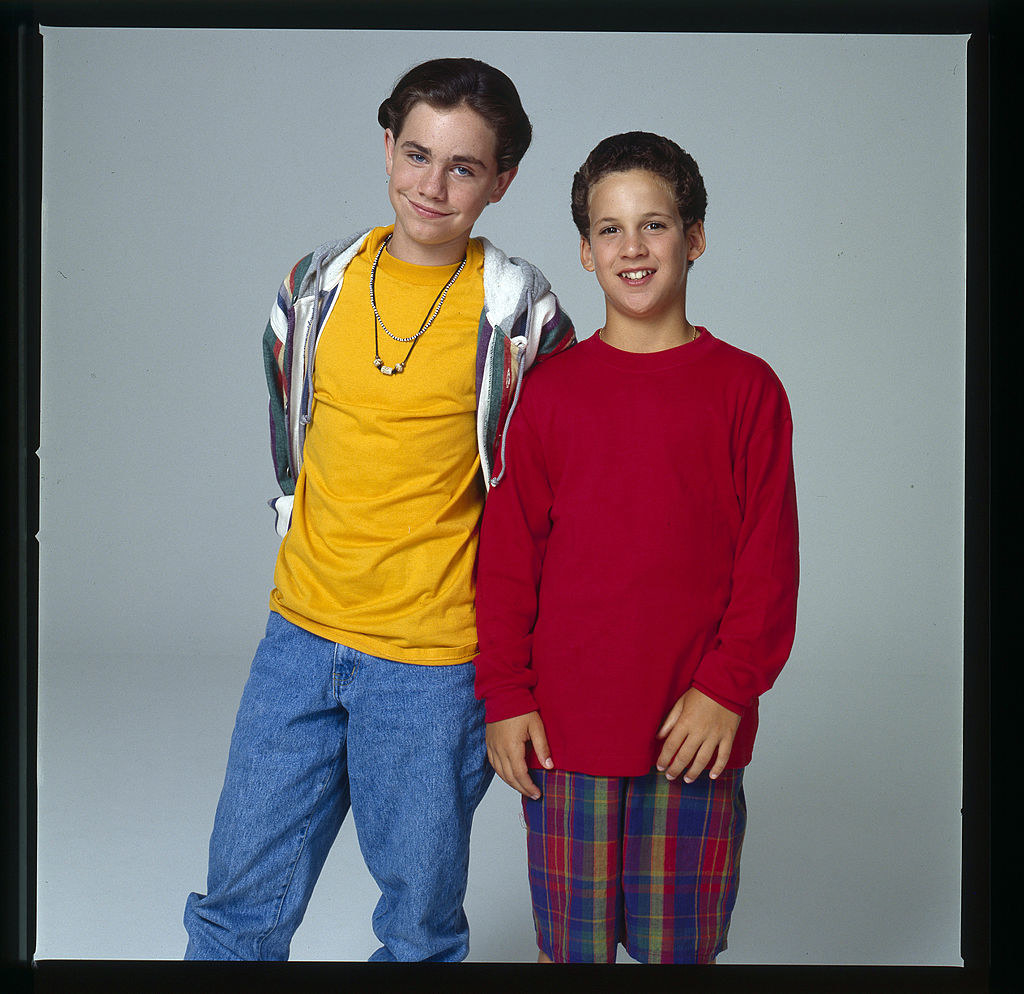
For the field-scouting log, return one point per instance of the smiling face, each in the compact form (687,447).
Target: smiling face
(639,250)
(443,172)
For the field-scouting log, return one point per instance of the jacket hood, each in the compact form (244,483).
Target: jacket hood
(510,283)
(325,256)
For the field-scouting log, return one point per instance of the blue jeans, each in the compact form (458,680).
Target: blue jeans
(322,728)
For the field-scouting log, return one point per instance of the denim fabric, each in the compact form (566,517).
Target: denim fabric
(321,729)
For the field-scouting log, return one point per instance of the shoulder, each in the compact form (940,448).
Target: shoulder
(742,364)
(296,274)
(330,259)
(508,279)
(559,377)
(564,366)
(750,376)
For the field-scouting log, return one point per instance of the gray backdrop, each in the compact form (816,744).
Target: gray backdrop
(186,170)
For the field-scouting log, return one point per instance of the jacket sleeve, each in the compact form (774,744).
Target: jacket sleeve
(757,630)
(277,385)
(278,337)
(513,538)
(556,330)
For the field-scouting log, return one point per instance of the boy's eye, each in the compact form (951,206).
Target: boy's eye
(608,230)
(417,157)
(463,171)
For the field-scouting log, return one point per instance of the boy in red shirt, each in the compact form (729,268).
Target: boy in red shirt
(637,586)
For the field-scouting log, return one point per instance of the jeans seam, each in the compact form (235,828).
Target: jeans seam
(336,683)
(295,862)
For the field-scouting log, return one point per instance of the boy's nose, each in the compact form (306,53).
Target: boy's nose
(634,245)
(432,184)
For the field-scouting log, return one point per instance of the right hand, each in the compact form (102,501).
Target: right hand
(506,750)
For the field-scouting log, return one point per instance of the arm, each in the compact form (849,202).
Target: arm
(278,342)
(757,629)
(513,536)
(756,632)
(278,337)
(277,386)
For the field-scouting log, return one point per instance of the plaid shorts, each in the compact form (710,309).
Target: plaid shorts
(648,862)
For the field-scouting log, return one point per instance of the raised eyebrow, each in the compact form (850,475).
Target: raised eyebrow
(650,216)
(423,150)
(411,146)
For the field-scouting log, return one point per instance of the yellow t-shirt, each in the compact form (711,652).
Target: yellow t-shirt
(381,550)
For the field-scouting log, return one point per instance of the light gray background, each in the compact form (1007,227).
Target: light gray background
(185,171)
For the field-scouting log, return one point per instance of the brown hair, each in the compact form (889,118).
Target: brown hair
(446,83)
(640,150)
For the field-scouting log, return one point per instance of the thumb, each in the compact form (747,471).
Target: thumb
(540,743)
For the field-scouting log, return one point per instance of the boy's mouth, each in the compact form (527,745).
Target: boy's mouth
(426,212)
(635,275)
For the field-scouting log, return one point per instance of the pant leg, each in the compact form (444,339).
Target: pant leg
(284,798)
(574,861)
(417,771)
(681,861)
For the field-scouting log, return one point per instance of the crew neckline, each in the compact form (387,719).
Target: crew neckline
(675,356)
(412,272)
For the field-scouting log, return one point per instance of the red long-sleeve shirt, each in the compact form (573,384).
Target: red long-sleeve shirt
(643,541)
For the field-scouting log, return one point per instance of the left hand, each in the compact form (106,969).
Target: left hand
(696,730)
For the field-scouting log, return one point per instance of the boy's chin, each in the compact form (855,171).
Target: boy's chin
(429,242)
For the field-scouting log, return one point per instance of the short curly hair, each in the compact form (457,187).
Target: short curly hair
(640,150)
(446,83)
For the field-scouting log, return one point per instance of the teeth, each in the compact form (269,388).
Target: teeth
(638,274)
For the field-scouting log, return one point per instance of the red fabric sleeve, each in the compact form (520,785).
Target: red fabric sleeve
(514,532)
(756,633)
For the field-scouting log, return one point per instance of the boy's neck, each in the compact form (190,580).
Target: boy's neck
(647,336)
(419,254)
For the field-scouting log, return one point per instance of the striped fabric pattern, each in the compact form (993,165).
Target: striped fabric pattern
(526,308)
(643,861)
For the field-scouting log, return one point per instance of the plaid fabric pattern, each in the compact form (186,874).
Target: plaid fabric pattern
(643,861)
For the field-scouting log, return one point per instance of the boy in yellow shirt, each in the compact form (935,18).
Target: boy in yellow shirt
(361,693)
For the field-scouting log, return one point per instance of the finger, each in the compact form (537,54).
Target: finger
(700,761)
(493,760)
(682,759)
(670,748)
(724,749)
(501,766)
(505,775)
(671,719)
(523,783)
(540,744)
(515,772)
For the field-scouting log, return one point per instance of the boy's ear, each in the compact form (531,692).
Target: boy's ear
(503,182)
(696,241)
(389,150)
(586,256)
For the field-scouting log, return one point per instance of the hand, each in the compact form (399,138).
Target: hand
(506,750)
(696,729)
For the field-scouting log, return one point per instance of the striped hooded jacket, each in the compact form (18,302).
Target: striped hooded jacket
(521,323)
